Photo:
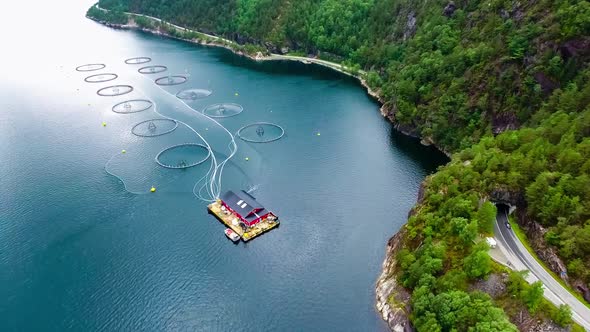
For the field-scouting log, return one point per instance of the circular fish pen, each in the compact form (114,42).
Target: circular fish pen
(100,78)
(194,94)
(154,127)
(183,156)
(138,60)
(261,132)
(223,110)
(114,90)
(91,67)
(152,69)
(171,80)
(132,106)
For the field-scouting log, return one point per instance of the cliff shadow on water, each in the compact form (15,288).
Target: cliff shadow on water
(415,151)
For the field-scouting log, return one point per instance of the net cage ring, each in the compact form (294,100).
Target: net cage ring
(126,107)
(260,132)
(183,165)
(152,127)
(115,90)
(101,78)
(91,67)
(171,80)
(138,60)
(194,94)
(152,69)
(222,110)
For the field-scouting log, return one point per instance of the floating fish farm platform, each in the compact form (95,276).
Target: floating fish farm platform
(233,221)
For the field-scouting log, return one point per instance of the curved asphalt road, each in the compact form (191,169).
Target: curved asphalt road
(521,259)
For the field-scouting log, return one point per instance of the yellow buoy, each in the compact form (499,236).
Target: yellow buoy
(104,124)
(153,189)
(319,134)
(237,94)
(123,151)
(247,158)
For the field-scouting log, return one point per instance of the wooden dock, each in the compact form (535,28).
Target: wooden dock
(231,221)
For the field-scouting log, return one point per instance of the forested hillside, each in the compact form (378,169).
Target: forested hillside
(504,85)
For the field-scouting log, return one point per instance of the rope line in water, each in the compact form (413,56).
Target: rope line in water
(213,179)
(208,187)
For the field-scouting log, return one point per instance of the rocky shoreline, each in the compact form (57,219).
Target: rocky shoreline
(392,299)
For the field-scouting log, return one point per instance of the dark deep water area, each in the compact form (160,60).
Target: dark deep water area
(82,250)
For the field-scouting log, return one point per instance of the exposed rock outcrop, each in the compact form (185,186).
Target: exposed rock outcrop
(388,110)
(583,289)
(508,197)
(494,285)
(546,83)
(392,299)
(410,28)
(449,9)
(504,14)
(525,322)
(575,48)
(536,233)
(502,122)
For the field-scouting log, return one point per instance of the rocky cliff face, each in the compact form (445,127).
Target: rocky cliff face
(392,298)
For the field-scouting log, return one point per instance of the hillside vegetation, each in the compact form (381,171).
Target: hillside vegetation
(503,85)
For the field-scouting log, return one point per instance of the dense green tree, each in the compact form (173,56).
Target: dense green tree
(533,295)
(563,316)
(478,264)
(116,15)
(486,217)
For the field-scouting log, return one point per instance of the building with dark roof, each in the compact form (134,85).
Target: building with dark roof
(244,206)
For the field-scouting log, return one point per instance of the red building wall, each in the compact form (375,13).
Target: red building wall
(242,218)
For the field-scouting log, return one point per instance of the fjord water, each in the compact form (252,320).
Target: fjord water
(79,252)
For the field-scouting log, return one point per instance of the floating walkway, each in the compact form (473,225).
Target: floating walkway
(231,220)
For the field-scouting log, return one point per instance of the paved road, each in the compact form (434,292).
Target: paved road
(521,259)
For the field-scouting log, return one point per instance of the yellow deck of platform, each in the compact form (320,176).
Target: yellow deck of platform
(226,218)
